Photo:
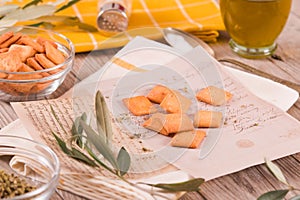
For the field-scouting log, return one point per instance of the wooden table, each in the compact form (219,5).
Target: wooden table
(246,184)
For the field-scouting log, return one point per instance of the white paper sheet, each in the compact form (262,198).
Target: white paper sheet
(253,130)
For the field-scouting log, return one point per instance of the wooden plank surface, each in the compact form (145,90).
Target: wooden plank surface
(248,183)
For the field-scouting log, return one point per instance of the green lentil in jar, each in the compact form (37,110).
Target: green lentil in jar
(11,185)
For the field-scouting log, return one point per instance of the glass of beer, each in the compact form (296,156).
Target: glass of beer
(254,25)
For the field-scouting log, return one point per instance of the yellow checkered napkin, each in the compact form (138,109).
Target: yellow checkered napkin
(200,17)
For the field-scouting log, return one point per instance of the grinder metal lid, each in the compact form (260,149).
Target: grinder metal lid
(112,18)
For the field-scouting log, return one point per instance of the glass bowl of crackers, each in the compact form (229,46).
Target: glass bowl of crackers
(28,169)
(33,62)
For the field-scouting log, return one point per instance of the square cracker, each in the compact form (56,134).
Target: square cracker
(44,61)
(174,102)
(139,105)
(33,63)
(55,55)
(10,61)
(213,95)
(158,93)
(40,86)
(42,41)
(6,36)
(188,139)
(30,42)
(24,88)
(24,68)
(11,40)
(3,50)
(208,119)
(169,123)
(23,51)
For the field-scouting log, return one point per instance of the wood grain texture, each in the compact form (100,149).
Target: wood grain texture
(243,185)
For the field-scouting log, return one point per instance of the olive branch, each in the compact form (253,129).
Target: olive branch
(86,144)
(34,13)
(278,194)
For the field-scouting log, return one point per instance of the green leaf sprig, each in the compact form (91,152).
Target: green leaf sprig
(86,144)
(278,194)
(44,15)
(188,186)
(69,4)
(85,138)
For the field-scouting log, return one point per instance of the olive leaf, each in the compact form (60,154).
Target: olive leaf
(74,153)
(295,198)
(102,116)
(188,186)
(98,142)
(46,25)
(31,3)
(67,20)
(43,14)
(275,170)
(30,12)
(61,144)
(77,130)
(5,9)
(55,18)
(123,160)
(96,159)
(70,3)
(75,21)
(57,119)
(8,22)
(82,157)
(87,27)
(273,195)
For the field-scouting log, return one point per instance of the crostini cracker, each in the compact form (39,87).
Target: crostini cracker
(8,88)
(174,102)
(40,86)
(158,93)
(11,40)
(23,51)
(42,41)
(44,61)
(169,123)
(53,53)
(213,95)
(139,105)
(155,122)
(33,63)
(25,68)
(3,75)
(208,119)
(26,87)
(10,61)
(3,50)
(188,139)
(47,63)
(6,36)
(30,42)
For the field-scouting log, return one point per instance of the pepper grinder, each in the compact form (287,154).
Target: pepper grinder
(113,16)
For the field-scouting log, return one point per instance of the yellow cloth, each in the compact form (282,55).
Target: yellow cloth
(200,17)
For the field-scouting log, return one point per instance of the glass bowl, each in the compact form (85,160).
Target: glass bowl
(41,169)
(32,75)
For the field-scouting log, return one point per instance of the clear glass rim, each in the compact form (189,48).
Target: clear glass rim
(56,167)
(41,80)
